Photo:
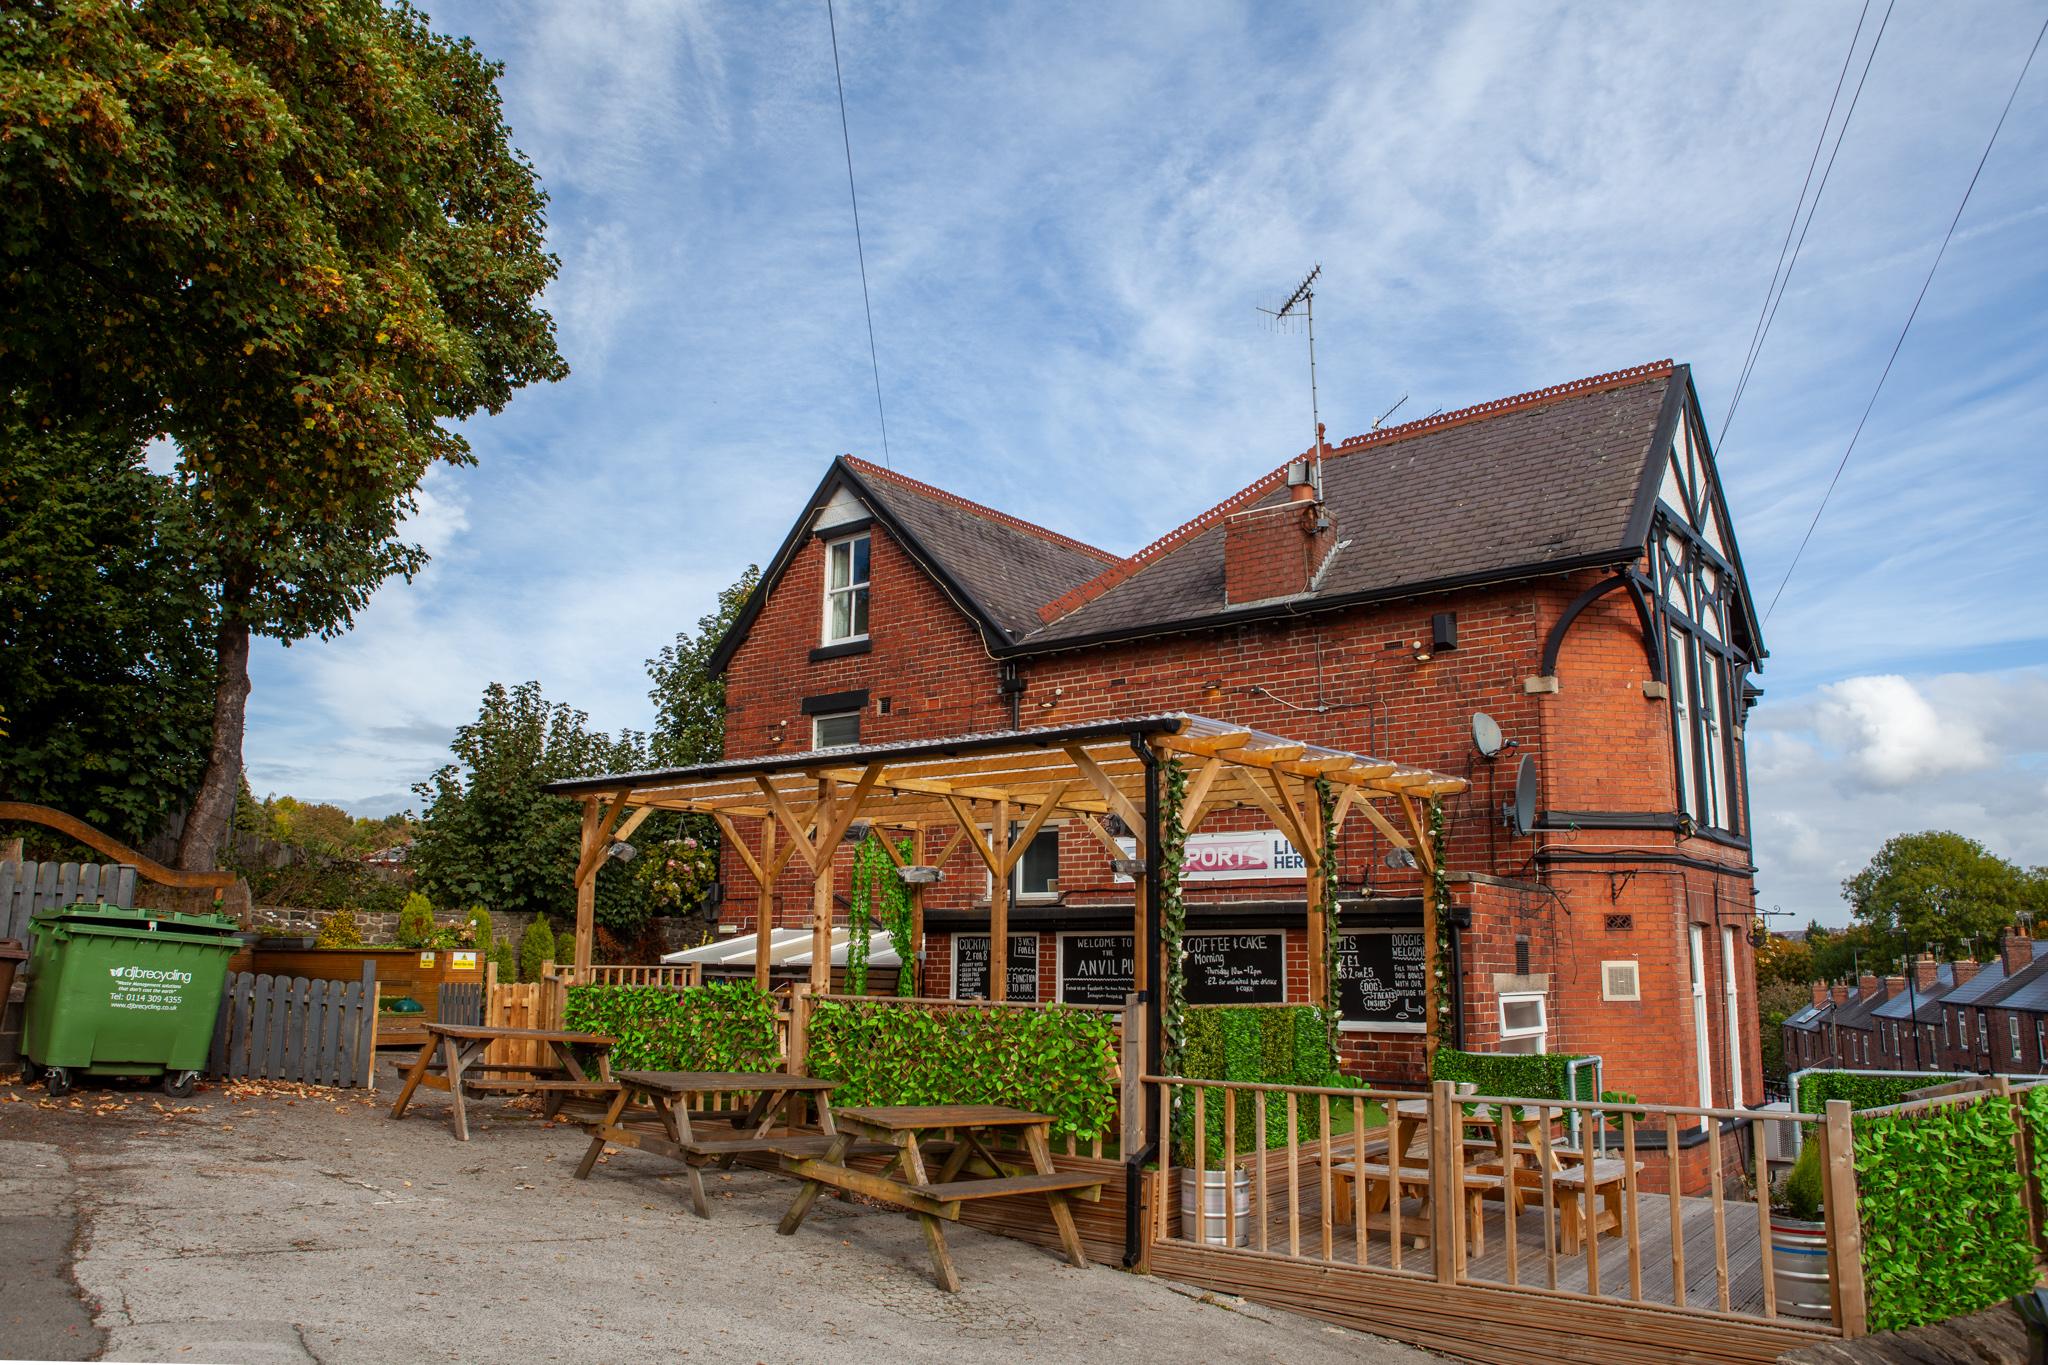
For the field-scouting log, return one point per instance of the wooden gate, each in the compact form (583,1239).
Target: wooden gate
(28,887)
(296,1028)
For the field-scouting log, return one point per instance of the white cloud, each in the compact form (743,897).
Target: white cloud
(1893,735)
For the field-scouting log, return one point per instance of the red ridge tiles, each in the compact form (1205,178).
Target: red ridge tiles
(1119,570)
(874,471)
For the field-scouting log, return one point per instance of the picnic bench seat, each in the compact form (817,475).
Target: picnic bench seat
(997,1187)
(1415,1179)
(593,1086)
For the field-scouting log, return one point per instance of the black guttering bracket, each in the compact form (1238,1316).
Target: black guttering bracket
(1653,640)
(1164,723)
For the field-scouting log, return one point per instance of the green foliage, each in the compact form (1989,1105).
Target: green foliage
(476,922)
(723,1026)
(1938,887)
(1782,959)
(536,946)
(2034,1107)
(1535,1075)
(1332,996)
(1053,1061)
(313,252)
(565,947)
(877,893)
(506,956)
(1777,1001)
(416,922)
(340,930)
(489,833)
(1173,918)
(1267,1045)
(105,628)
(1800,1191)
(671,876)
(314,827)
(1860,1088)
(1943,1204)
(1441,991)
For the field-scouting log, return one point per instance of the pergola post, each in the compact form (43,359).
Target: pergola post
(764,909)
(821,895)
(916,891)
(588,857)
(999,904)
(1425,858)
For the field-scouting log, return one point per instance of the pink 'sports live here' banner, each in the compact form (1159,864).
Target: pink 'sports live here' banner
(1253,855)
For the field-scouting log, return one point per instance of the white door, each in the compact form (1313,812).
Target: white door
(1703,1052)
(1733,1021)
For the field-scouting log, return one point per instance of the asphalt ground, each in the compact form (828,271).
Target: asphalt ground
(256,1224)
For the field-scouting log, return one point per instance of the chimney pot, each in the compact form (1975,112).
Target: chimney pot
(1840,992)
(2017,950)
(1894,985)
(1926,972)
(1866,985)
(1965,968)
(1820,994)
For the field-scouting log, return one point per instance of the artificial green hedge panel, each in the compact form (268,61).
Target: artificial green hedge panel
(1861,1089)
(1266,1045)
(1053,1061)
(1943,1205)
(1532,1075)
(724,1026)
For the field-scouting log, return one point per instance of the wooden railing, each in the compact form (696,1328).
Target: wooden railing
(1605,1218)
(642,974)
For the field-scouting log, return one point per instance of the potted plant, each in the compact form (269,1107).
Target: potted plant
(1799,1240)
(1211,1225)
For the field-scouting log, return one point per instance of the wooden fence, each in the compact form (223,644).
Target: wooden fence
(296,1028)
(1350,1217)
(645,974)
(27,887)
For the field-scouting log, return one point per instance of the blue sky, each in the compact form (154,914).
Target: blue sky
(1072,214)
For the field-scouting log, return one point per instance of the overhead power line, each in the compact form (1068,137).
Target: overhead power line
(1919,298)
(1775,295)
(860,251)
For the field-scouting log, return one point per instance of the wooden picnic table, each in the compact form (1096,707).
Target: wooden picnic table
(645,1115)
(962,1139)
(461,1045)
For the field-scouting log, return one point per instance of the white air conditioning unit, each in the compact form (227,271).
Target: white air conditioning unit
(1620,981)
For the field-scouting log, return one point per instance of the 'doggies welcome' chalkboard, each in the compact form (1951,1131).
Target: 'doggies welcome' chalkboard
(1382,979)
(1236,969)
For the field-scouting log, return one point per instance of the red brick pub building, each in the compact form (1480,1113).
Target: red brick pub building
(1561,561)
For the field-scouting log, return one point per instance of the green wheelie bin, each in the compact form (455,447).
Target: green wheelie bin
(115,991)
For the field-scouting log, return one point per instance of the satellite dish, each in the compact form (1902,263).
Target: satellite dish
(1520,815)
(1485,734)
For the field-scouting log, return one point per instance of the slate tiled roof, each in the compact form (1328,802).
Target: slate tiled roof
(1900,1005)
(1544,479)
(1011,567)
(1803,1018)
(1988,979)
(1856,1014)
(2029,983)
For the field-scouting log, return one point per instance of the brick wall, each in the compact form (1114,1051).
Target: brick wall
(1574,897)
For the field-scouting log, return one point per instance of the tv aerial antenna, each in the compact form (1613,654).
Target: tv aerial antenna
(1302,303)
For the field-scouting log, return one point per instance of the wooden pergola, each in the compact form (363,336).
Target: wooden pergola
(969,790)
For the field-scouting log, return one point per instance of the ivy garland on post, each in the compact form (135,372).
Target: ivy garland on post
(1440,886)
(878,894)
(1173,917)
(1332,1001)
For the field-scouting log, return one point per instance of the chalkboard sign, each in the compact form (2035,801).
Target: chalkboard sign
(1236,969)
(1382,980)
(970,967)
(1095,969)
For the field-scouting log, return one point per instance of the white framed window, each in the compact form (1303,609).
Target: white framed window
(846,589)
(1983,1031)
(1697,595)
(1524,1023)
(2040,1043)
(1703,1054)
(1731,1021)
(2012,1022)
(838,730)
(1036,877)
(1944,1028)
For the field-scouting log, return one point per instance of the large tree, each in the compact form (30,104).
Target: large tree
(292,237)
(488,832)
(106,678)
(1938,888)
(689,699)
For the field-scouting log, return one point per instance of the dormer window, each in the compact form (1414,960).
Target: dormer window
(846,589)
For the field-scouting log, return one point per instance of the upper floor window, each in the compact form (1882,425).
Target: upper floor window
(1696,588)
(846,589)
(1036,877)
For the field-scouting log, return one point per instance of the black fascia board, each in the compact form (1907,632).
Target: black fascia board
(1668,418)
(606,784)
(1308,606)
(729,643)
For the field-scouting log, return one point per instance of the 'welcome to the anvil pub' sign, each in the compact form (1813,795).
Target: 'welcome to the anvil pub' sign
(1250,855)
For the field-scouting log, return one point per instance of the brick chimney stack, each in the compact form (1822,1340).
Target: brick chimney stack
(1926,972)
(1820,994)
(1841,994)
(2017,950)
(1866,986)
(1893,986)
(1965,968)
(1277,550)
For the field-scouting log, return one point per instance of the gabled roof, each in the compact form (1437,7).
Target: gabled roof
(2025,989)
(1856,1014)
(997,567)
(1546,482)
(1902,1005)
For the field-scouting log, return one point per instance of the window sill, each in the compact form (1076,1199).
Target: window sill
(842,650)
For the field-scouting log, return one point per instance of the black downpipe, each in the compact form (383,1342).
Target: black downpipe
(1155,1023)
(1457,982)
